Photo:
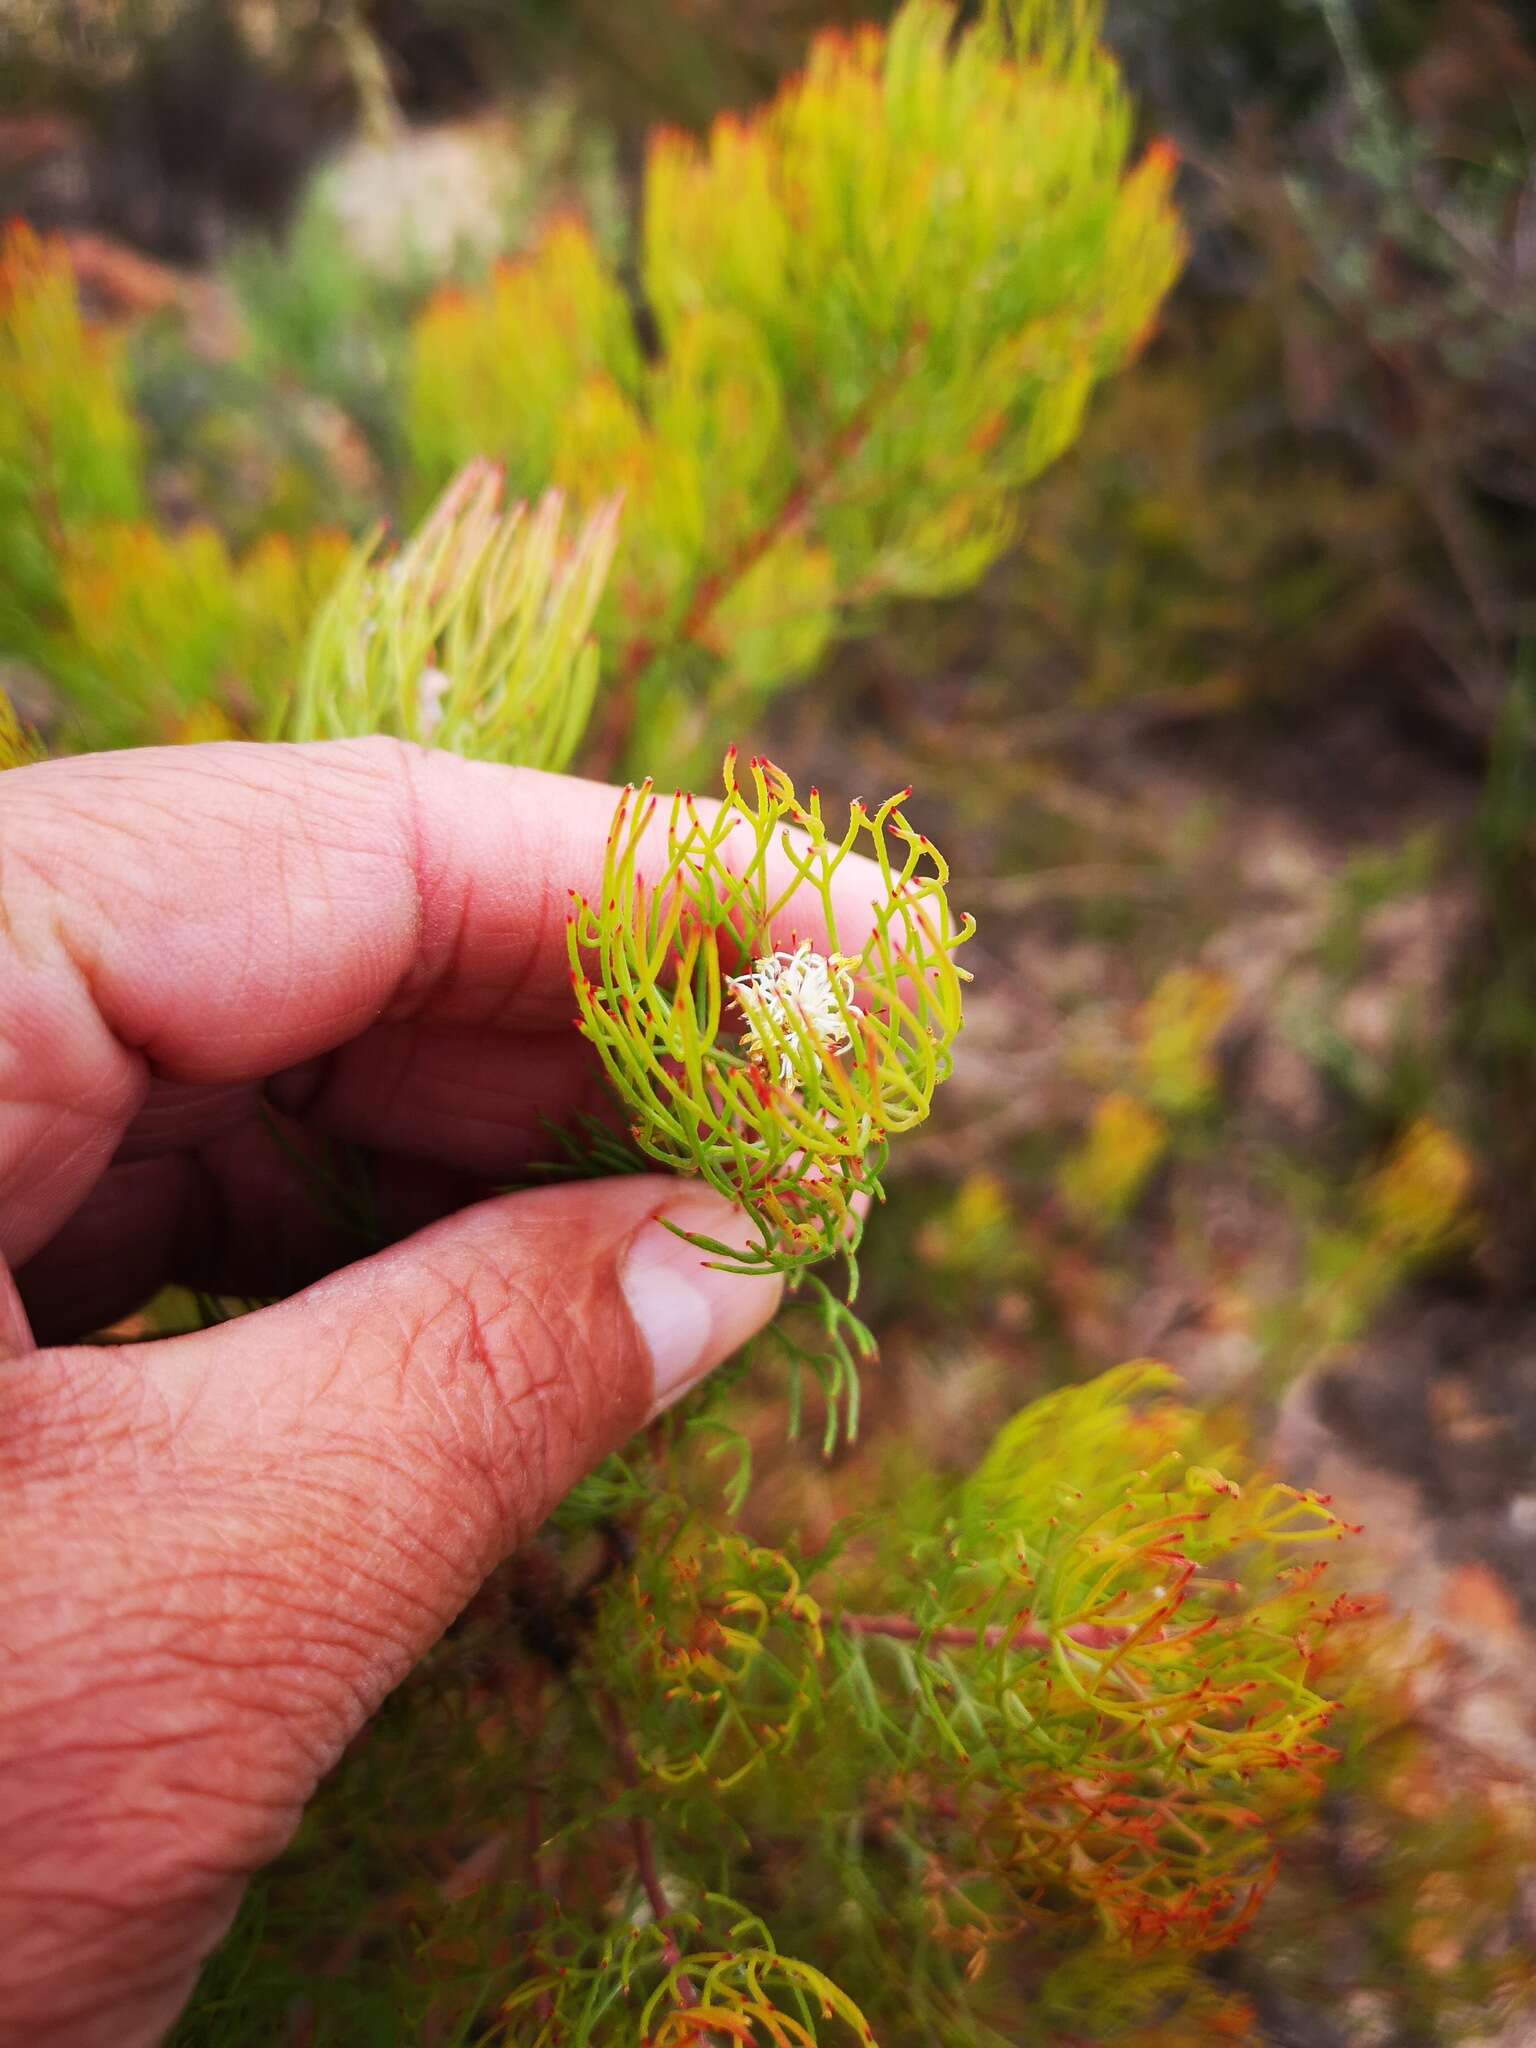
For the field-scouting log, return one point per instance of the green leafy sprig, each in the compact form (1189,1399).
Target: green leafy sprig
(476,636)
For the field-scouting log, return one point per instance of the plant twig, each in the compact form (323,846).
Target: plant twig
(713,587)
(533,1850)
(642,1841)
(902,1628)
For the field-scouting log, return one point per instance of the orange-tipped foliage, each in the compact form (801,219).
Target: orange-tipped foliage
(69,448)
(1116,1634)
(713,1641)
(883,303)
(160,631)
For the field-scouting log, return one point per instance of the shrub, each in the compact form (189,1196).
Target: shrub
(881,307)
(995,1764)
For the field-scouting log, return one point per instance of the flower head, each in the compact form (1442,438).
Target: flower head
(791,1117)
(802,994)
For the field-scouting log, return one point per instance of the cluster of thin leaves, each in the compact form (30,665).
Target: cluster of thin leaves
(1111,1645)
(1063,1710)
(141,631)
(711,1636)
(882,304)
(642,1986)
(744,1054)
(69,449)
(475,636)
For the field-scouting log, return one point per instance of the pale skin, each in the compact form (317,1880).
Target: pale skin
(219,1551)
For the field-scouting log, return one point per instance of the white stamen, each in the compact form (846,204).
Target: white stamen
(800,995)
(431,688)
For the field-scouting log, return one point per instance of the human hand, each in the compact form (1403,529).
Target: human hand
(219,1552)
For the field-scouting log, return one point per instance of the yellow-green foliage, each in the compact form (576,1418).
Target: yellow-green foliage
(1101,1181)
(717,1648)
(882,305)
(1414,1209)
(640,1986)
(69,447)
(1177,1029)
(17,745)
(1109,1643)
(973,1242)
(475,636)
(1170,1075)
(166,637)
(514,356)
(149,635)
(1418,1202)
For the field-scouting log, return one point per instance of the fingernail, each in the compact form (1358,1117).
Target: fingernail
(690,1314)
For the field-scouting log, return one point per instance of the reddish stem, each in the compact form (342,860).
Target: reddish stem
(643,1843)
(903,1629)
(533,1829)
(711,588)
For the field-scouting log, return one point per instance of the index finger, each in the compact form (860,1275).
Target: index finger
(217,913)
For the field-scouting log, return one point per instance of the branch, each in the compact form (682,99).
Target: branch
(643,1842)
(902,1628)
(533,1829)
(717,583)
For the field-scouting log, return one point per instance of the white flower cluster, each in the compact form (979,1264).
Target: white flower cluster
(796,995)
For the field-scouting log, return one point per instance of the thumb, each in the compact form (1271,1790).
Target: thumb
(423,1410)
(228,1547)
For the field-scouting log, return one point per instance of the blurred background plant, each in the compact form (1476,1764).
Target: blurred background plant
(1225,722)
